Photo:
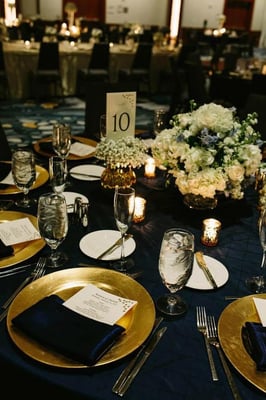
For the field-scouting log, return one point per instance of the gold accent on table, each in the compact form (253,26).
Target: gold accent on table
(41,179)
(65,283)
(73,157)
(122,177)
(230,325)
(25,250)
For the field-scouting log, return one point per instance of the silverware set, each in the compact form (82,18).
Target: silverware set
(129,373)
(207,326)
(38,272)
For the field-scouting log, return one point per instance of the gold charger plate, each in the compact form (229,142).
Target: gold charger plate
(66,283)
(42,178)
(230,324)
(25,250)
(80,139)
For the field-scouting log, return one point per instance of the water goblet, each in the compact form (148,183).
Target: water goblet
(175,267)
(160,121)
(58,173)
(24,175)
(124,203)
(256,283)
(53,225)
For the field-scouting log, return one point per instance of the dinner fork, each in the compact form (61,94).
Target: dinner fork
(214,340)
(201,325)
(38,272)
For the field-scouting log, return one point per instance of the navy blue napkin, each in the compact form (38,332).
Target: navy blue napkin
(5,251)
(257,342)
(71,334)
(4,170)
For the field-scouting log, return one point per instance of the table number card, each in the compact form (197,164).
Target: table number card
(120,114)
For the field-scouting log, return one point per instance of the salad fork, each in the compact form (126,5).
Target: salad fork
(38,272)
(213,339)
(202,328)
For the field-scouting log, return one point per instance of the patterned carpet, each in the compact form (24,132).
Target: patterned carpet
(26,122)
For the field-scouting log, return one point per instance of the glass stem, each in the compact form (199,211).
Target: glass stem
(123,247)
(263,261)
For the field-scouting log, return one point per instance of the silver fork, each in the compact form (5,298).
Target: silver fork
(38,272)
(201,325)
(214,340)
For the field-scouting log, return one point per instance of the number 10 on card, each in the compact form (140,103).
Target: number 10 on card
(120,114)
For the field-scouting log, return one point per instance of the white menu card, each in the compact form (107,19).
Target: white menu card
(18,231)
(97,304)
(120,114)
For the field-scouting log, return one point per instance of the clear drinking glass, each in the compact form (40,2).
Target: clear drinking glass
(53,225)
(124,204)
(61,140)
(175,267)
(24,175)
(256,283)
(58,173)
(160,121)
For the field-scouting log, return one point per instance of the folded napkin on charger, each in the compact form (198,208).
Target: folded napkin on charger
(5,251)
(71,334)
(257,343)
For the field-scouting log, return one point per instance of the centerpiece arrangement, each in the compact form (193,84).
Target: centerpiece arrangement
(121,157)
(209,151)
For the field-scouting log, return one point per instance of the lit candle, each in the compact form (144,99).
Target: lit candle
(210,231)
(139,211)
(150,168)
(27,44)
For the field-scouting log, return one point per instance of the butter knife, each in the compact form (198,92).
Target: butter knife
(149,349)
(202,264)
(85,175)
(114,246)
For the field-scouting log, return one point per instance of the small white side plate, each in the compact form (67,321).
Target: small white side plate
(95,243)
(198,279)
(87,169)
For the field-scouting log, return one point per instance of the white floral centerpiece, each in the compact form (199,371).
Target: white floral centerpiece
(209,151)
(121,157)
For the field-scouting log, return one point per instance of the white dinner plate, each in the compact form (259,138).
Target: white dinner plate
(70,199)
(95,243)
(199,281)
(91,172)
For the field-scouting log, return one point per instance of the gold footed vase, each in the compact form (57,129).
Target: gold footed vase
(122,177)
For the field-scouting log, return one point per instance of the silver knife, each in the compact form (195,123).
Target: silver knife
(202,264)
(114,246)
(151,346)
(85,175)
(124,374)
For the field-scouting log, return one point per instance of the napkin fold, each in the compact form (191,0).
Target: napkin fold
(257,342)
(5,251)
(71,334)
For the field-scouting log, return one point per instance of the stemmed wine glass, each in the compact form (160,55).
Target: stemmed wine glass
(61,141)
(24,175)
(53,225)
(175,267)
(124,204)
(256,283)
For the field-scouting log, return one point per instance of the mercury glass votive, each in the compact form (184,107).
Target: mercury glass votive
(210,231)
(139,211)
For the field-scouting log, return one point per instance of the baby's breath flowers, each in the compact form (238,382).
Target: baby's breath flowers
(121,153)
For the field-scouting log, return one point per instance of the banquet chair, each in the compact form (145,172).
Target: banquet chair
(95,101)
(196,83)
(47,78)
(4,87)
(97,69)
(5,150)
(139,71)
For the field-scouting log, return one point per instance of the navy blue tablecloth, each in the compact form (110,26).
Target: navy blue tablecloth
(178,369)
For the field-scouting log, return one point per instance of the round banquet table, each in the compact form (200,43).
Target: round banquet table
(178,368)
